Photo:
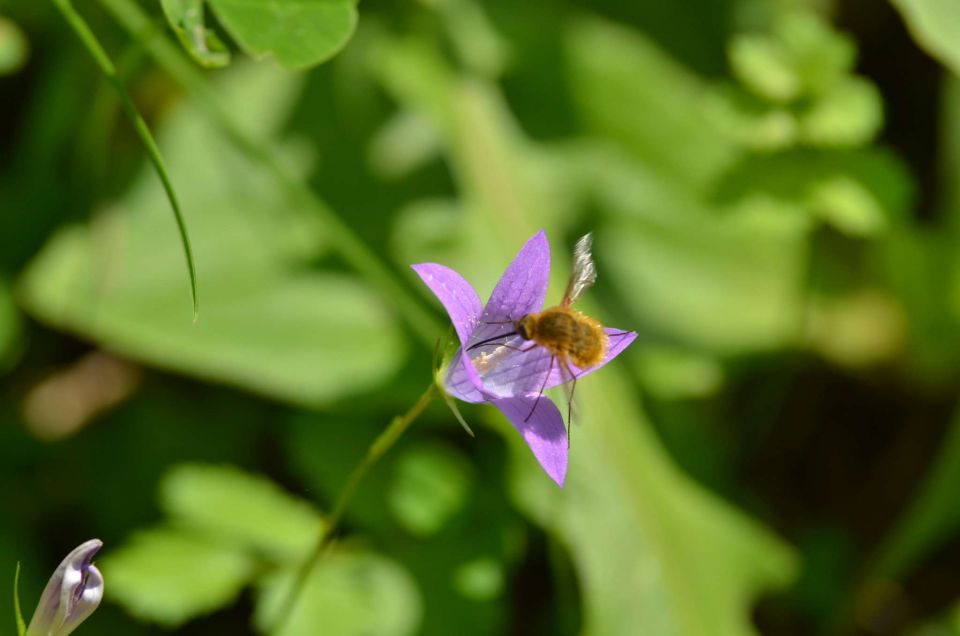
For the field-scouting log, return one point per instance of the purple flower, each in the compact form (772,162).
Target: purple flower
(71,595)
(511,372)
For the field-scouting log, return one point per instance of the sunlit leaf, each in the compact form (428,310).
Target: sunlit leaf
(298,33)
(252,511)
(169,576)
(764,67)
(13,47)
(935,25)
(860,192)
(271,322)
(186,18)
(348,594)
(849,113)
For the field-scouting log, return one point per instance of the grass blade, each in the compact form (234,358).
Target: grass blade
(93,46)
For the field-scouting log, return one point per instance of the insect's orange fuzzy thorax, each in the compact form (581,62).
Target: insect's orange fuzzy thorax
(568,334)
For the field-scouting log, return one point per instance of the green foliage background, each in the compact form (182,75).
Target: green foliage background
(772,190)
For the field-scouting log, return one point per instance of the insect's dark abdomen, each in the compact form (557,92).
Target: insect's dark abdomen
(569,334)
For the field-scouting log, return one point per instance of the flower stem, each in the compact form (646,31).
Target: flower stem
(384,442)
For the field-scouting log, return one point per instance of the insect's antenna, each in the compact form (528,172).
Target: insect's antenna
(498,322)
(489,340)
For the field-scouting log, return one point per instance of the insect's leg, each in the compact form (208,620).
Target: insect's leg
(542,387)
(619,333)
(573,387)
(523,350)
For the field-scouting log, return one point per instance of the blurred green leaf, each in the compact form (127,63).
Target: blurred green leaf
(932,516)
(819,55)
(186,18)
(764,67)
(935,26)
(13,47)
(860,192)
(429,486)
(169,576)
(727,279)
(9,326)
(245,509)
(298,33)
(752,122)
(631,91)
(480,579)
(270,323)
(347,594)
(849,113)
(673,374)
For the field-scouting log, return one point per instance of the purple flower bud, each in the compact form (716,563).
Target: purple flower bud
(71,595)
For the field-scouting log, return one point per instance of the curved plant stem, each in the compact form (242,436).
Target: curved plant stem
(90,42)
(17,614)
(378,448)
(342,238)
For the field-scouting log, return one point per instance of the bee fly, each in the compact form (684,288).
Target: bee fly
(569,335)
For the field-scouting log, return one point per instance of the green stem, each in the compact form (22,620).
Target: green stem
(90,42)
(383,443)
(17,614)
(350,247)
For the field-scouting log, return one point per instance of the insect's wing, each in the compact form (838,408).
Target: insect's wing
(584,273)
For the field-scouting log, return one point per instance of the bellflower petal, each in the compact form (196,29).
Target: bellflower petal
(523,287)
(71,595)
(455,294)
(543,430)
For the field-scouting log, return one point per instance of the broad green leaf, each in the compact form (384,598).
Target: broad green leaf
(271,322)
(186,18)
(632,92)
(429,486)
(298,33)
(347,594)
(648,545)
(13,47)
(935,25)
(239,508)
(170,576)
